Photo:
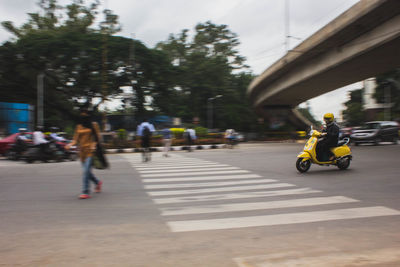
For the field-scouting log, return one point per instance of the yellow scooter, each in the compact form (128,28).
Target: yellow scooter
(309,155)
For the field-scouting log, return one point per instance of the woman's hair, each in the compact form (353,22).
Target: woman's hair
(85,120)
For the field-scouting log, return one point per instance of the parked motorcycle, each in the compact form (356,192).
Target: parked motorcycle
(49,152)
(308,156)
(16,150)
(68,154)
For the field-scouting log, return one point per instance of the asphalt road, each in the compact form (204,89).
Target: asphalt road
(242,207)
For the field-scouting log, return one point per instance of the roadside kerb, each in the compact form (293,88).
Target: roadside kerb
(160,149)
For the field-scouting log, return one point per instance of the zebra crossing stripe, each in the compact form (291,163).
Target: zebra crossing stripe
(183,167)
(303,202)
(202,178)
(280,219)
(217,197)
(191,169)
(219,189)
(193,173)
(208,184)
(161,163)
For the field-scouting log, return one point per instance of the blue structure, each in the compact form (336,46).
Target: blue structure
(14,116)
(161,119)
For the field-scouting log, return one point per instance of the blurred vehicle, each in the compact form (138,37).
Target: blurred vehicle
(345,132)
(376,132)
(240,137)
(50,152)
(7,142)
(301,134)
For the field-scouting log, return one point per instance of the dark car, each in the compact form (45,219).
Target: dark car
(376,132)
(6,143)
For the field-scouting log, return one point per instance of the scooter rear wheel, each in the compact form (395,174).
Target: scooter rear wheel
(343,163)
(303,166)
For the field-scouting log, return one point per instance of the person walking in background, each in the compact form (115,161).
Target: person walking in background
(190,138)
(85,136)
(167,139)
(230,135)
(145,130)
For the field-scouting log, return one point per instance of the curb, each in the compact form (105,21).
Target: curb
(160,149)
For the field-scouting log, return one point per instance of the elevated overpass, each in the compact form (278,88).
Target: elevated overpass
(362,42)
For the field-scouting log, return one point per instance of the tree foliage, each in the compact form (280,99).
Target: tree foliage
(84,62)
(81,63)
(388,85)
(354,113)
(204,66)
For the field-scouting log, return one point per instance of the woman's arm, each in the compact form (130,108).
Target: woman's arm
(74,139)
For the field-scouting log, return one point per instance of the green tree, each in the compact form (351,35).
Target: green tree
(207,65)
(81,63)
(388,89)
(354,113)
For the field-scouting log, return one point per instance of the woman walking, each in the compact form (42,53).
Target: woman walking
(85,136)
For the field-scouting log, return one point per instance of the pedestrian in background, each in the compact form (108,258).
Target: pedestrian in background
(190,138)
(145,131)
(85,136)
(167,139)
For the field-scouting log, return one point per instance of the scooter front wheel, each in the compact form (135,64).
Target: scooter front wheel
(303,166)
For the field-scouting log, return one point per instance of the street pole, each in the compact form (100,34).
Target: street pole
(40,89)
(209,107)
(210,110)
(387,112)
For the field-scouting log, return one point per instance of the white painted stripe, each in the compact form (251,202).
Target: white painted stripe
(201,178)
(182,167)
(279,219)
(166,164)
(159,165)
(161,161)
(215,197)
(256,205)
(208,184)
(219,189)
(192,169)
(177,162)
(192,173)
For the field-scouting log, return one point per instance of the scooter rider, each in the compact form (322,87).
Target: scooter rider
(330,137)
(39,140)
(55,136)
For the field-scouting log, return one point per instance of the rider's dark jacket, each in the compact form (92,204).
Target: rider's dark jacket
(332,134)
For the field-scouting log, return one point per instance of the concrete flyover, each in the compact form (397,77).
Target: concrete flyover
(362,42)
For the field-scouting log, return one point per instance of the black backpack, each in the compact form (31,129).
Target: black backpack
(146,132)
(188,136)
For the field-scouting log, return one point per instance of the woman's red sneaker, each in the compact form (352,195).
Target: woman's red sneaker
(84,196)
(97,189)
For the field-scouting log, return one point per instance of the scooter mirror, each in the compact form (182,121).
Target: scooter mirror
(311,130)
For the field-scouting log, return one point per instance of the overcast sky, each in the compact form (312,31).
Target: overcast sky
(260,25)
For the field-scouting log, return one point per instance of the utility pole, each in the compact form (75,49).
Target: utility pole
(40,91)
(210,110)
(132,68)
